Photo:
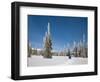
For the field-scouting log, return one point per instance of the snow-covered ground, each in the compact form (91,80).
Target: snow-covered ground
(55,60)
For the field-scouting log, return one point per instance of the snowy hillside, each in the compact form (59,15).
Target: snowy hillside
(56,60)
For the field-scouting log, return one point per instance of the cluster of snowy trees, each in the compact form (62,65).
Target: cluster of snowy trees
(78,50)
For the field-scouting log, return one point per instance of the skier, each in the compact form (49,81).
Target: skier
(69,54)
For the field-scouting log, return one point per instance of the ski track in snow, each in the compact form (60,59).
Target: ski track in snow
(55,60)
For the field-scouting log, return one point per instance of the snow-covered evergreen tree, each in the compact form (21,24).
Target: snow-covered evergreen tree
(29,50)
(47,44)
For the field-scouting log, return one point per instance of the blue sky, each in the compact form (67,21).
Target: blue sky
(63,30)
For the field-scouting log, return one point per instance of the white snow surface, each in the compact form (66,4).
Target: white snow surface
(55,60)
